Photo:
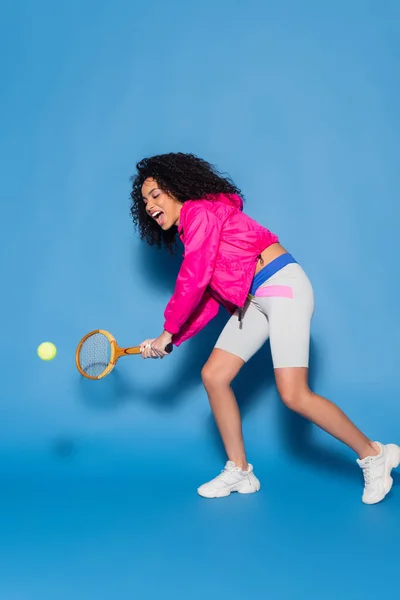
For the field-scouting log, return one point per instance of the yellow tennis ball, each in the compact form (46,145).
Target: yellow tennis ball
(47,351)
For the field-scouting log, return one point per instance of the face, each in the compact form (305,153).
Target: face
(161,207)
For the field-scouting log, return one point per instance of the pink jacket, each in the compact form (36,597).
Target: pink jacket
(221,248)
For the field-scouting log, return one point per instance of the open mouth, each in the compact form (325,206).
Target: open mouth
(158,216)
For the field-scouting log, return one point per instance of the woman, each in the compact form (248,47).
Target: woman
(231,260)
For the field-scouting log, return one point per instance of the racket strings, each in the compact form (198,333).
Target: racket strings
(95,355)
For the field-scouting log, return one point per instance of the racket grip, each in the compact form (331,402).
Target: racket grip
(169,348)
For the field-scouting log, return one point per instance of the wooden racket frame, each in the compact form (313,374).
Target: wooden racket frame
(116,353)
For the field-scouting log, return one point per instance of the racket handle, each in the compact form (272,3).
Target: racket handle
(168,348)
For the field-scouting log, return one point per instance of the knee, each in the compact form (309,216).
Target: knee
(214,376)
(296,400)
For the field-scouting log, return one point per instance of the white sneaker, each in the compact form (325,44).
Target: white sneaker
(377,469)
(231,479)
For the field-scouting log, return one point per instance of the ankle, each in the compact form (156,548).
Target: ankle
(371,449)
(241,463)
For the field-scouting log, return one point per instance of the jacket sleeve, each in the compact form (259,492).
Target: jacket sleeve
(201,240)
(208,309)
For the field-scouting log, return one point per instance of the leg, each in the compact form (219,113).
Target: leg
(292,384)
(218,374)
(236,344)
(375,459)
(289,319)
(290,323)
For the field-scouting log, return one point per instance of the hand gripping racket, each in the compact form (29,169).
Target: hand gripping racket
(98,352)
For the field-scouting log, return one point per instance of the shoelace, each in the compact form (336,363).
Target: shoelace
(225,472)
(368,471)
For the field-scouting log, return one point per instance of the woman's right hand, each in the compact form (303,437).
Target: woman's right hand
(146,350)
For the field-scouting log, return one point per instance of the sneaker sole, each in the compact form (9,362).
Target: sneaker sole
(392,463)
(245,489)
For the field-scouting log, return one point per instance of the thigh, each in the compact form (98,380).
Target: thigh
(290,316)
(244,338)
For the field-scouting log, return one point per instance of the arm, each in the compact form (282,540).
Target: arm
(208,308)
(202,235)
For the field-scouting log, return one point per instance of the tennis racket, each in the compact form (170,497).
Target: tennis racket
(98,352)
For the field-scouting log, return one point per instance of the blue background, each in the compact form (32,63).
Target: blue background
(299,103)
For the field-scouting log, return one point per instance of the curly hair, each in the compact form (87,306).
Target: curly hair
(183,176)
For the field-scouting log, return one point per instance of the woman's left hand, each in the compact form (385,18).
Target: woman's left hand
(155,348)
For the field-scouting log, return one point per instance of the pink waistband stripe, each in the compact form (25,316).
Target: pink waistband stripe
(280,291)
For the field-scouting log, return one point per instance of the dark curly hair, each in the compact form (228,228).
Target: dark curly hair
(183,176)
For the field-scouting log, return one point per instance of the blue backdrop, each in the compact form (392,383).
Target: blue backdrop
(299,103)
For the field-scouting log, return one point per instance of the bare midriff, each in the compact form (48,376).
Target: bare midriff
(268,255)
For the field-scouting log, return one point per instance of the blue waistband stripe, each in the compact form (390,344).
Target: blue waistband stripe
(273,267)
